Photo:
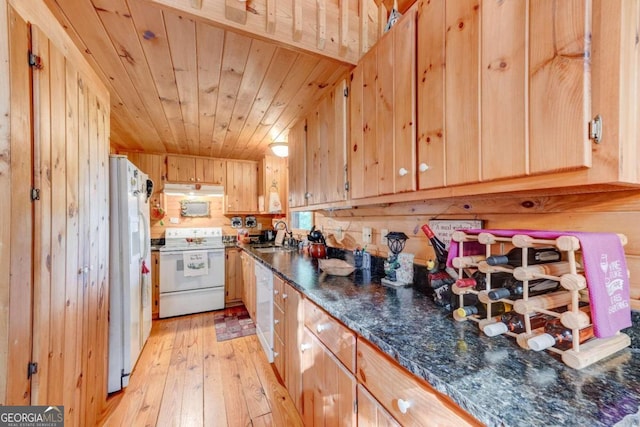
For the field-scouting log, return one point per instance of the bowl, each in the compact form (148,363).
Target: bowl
(335,267)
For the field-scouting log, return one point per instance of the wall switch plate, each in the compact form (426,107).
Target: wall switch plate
(366,234)
(383,236)
(174,220)
(339,233)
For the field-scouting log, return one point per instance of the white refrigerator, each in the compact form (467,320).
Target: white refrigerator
(130,265)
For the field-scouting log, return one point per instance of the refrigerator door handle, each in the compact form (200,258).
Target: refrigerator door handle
(145,237)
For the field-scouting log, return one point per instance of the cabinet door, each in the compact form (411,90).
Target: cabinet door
(559,85)
(462,119)
(326,148)
(242,186)
(356,134)
(273,179)
(430,99)
(371,412)
(293,337)
(385,113)
(297,141)
(249,285)
(233,276)
(210,171)
(329,390)
(181,169)
(151,164)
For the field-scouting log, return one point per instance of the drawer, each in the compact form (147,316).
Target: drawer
(278,322)
(408,400)
(278,290)
(335,336)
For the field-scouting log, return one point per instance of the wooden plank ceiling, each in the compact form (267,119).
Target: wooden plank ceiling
(219,78)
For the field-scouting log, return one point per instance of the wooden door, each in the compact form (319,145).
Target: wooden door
(430,99)
(297,164)
(210,171)
(71,263)
(294,329)
(181,169)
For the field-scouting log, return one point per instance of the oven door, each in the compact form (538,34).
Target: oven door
(173,277)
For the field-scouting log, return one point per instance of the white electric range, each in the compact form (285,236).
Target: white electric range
(191,271)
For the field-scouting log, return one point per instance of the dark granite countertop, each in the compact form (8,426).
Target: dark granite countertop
(493,379)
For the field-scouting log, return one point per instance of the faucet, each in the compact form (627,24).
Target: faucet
(281,222)
(289,241)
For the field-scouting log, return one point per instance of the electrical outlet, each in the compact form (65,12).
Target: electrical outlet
(339,233)
(366,234)
(383,236)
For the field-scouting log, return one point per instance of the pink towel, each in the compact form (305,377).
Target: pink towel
(605,268)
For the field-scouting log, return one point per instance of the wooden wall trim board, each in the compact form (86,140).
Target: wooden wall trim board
(5,190)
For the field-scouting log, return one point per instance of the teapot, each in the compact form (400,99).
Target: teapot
(317,250)
(315,235)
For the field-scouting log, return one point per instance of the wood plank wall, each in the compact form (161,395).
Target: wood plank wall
(617,212)
(55,285)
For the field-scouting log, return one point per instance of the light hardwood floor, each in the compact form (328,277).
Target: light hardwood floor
(185,378)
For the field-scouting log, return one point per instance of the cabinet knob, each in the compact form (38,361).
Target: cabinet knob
(276,354)
(321,328)
(423,167)
(276,292)
(403,172)
(304,347)
(275,322)
(285,296)
(403,405)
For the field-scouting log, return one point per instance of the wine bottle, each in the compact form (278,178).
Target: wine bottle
(478,280)
(534,256)
(513,288)
(557,335)
(438,245)
(480,309)
(514,322)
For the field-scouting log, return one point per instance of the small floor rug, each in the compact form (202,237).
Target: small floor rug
(233,323)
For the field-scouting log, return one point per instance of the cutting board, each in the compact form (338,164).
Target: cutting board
(279,237)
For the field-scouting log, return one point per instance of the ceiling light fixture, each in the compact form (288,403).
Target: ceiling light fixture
(280,149)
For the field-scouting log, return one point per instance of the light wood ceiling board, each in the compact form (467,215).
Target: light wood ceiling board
(87,24)
(298,22)
(234,59)
(321,82)
(149,23)
(116,19)
(278,71)
(210,48)
(260,57)
(127,121)
(216,11)
(271,17)
(123,133)
(297,78)
(181,34)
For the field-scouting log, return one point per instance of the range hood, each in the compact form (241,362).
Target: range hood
(193,190)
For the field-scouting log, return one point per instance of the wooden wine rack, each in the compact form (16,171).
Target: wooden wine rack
(574,290)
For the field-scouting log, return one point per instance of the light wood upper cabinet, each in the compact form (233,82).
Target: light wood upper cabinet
(242,186)
(272,178)
(326,145)
(513,113)
(196,170)
(151,164)
(297,142)
(382,114)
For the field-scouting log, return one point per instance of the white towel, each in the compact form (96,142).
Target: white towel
(196,263)
(274,201)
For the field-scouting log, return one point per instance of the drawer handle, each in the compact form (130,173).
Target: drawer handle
(403,405)
(321,328)
(304,347)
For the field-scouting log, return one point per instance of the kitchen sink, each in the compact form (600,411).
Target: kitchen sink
(272,249)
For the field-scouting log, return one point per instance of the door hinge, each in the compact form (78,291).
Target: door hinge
(35,61)
(305,127)
(355,406)
(35,194)
(346,186)
(32,368)
(346,92)
(595,129)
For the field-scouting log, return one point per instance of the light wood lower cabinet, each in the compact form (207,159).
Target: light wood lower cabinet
(410,401)
(233,284)
(328,388)
(249,284)
(293,337)
(371,412)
